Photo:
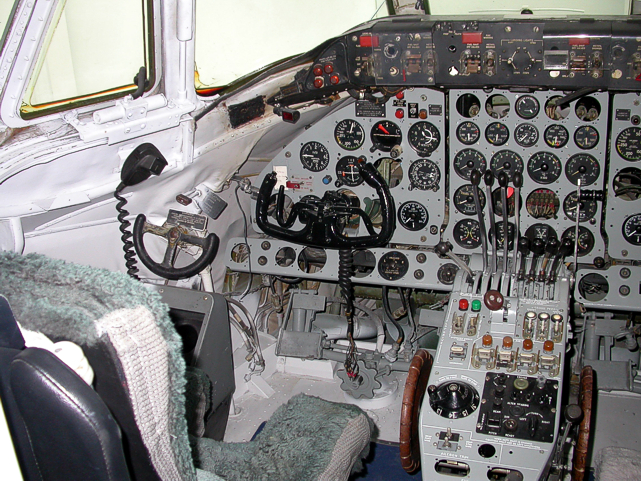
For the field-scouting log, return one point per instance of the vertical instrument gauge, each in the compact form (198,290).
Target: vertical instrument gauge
(424,138)
(413,216)
(497,133)
(527,107)
(542,204)
(424,175)
(540,231)
(628,144)
(544,168)
(467,233)
(587,209)
(347,171)
(314,156)
(385,135)
(468,133)
(464,199)
(583,167)
(586,137)
(468,160)
(632,229)
(500,235)
(526,135)
(556,136)
(393,266)
(506,161)
(349,134)
(586,239)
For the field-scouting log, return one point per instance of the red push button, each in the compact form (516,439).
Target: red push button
(318,70)
(463,305)
(400,95)
(329,68)
(334,79)
(472,37)
(579,41)
(369,41)
(399,113)
(318,82)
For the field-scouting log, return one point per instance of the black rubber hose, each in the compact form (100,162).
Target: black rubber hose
(388,313)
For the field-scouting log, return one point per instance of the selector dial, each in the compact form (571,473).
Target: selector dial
(454,399)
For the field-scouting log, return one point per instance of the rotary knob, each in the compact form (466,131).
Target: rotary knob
(453,399)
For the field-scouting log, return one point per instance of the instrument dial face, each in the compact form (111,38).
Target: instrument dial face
(556,136)
(540,231)
(628,144)
(632,229)
(424,138)
(527,107)
(500,237)
(587,209)
(468,160)
(413,216)
(347,171)
(464,199)
(424,175)
(314,156)
(586,239)
(583,167)
(467,233)
(393,266)
(526,135)
(349,134)
(446,273)
(544,168)
(385,135)
(506,161)
(468,133)
(542,204)
(586,137)
(497,133)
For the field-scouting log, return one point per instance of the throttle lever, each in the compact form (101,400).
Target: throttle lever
(565,250)
(524,250)
(488,177)
(475,178)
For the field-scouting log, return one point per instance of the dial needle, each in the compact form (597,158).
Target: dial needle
(380,127)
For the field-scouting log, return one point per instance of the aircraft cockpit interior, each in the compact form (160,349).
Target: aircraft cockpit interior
(428,211)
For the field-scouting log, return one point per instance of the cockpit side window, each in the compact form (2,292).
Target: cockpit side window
(237,37)
(7,9)
(91,53)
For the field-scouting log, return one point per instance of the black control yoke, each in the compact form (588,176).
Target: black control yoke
(324,219)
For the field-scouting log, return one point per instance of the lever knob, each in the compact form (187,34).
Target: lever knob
(502,178)
(567,246)
(475,177)
(488,177)
(538,247)
(552,246)
(573,413)
(524,245)
(517,180)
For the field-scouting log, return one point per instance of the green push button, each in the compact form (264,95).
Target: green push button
(476,305)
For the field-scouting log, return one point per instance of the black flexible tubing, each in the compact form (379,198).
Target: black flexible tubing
(388,313)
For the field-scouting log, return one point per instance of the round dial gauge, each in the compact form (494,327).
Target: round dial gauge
(424,138)
(540,231)
(587,208)
(446,273)
(413,216)
(467,233)
(347,171)
(527,107)
(526,135)
(506,161)
(586,137)
(393,266)
(385,135)
(583,167)
(500,237)
(544,168)
(586,239)
(349,134)
(497,133)
(632,229)
(542,204)
(314,156)
(464,199)
(468,160)
(424,175)
(468,133)
(556,136)
(628,144)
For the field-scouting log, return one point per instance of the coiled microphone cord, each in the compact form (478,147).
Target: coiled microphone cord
(127,245)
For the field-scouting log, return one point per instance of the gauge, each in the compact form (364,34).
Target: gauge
(347,171)
(632,229)
(498,226)
(393,266)
(497,202)
(413,216)
(527,107)
(468,133)
(540,231)
(556,136)
(467,233)
(526,135)
(424,175)
(424,138)
(314,156)
(446,273)
(544,168)
(587,208)
(497,133)
(586,239)
(542,204)
(464,199)
(583,167)
(468,160)
(628,144)
(586,137)
(349,134)
(385,135)
(506,161)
